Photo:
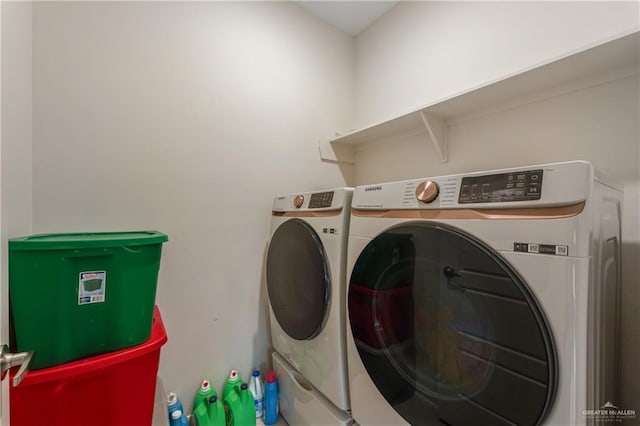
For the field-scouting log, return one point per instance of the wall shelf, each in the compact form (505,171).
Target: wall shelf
(608,61)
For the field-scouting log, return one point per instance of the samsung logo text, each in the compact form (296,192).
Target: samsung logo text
(373,188)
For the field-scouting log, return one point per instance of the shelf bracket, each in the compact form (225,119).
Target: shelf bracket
(336,153)
(437,130)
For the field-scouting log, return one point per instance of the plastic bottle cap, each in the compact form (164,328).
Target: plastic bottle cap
(271,377)
(213,399)
(243,386)
(172,399)
(176,415)
(233,375)
(256,373)
(205,386)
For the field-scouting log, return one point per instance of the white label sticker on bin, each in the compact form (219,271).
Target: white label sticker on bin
(91,287)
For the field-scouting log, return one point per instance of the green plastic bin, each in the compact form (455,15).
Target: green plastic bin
(78,295)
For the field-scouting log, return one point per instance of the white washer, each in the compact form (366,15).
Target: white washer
(305,268)
(484,298)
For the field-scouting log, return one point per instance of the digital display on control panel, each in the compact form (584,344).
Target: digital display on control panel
(320,200)
(516,186)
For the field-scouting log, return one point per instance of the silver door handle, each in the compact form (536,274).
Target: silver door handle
(9,360)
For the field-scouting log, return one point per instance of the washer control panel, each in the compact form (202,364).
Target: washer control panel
(329,199)
(525,185)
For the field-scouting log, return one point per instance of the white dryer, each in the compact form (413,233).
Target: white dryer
(484,298)
(305,269)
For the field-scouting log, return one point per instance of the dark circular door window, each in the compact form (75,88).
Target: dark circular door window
(298,279)
(448,331)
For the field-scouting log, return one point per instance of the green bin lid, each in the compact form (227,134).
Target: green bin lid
(86,240)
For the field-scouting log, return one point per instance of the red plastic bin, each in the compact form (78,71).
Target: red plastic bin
(114,389)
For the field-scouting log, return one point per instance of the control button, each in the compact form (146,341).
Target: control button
(534,177)
(521,177)
(546,249)
(427,191)
(521,247)
(520,185)
(298,201)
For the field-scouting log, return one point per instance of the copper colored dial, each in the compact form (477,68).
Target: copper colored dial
(427,191)
(297,202)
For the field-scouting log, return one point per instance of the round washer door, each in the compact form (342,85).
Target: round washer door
(298,279)
(448,332)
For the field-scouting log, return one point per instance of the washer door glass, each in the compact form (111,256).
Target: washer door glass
(448,331)
(297,279)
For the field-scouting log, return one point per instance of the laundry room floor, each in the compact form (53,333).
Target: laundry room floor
(280,422)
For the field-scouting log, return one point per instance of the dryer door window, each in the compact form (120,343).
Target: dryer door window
(448,331)
(298,279)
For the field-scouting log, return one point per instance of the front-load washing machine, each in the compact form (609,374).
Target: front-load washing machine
(305,269)
(484,298)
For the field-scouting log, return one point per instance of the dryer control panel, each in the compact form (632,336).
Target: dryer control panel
(525,185)
(320,200)
(542,185)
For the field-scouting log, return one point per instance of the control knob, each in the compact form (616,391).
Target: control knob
(297,202)
(427,191)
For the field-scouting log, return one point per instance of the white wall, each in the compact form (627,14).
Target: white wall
(15,141)
(187,118)
(421,52)
(598,124)
(16,118)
